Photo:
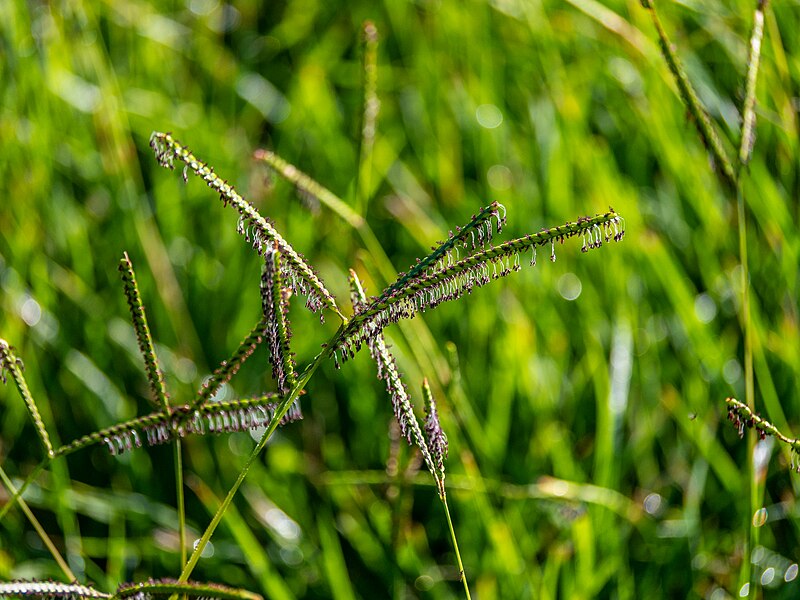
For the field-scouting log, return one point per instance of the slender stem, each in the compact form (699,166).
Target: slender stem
(17,495)
(748,574)
(462,575)
(36,525)
(180,500)
(273,425)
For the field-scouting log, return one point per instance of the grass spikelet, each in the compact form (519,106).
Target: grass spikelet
(160,588)
(437,439)
(154,374)
(431,287)
(705,128)
(748,108)
(275,302)
(229,367)
(48,590)
(213,417)
(252,226)
(12,365)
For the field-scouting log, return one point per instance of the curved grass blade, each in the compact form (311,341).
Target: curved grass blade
(451,282)
(159,428)
(154,374)
(160,588)
(275,302)
(706,130)
(48,590)
(11,364)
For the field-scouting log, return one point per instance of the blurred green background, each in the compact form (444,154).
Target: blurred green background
(584,400)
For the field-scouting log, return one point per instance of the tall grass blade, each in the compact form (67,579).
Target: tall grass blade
(51,547)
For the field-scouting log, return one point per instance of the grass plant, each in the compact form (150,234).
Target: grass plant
(589,455)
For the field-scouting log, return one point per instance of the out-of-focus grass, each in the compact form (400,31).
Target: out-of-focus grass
(590,456)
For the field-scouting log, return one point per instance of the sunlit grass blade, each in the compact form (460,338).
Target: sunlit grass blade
(749,105)
(154,374)
(255,228)
(11,364)
(451,281)
(275,307)
(705,128)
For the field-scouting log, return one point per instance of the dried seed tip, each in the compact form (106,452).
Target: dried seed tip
(48,590)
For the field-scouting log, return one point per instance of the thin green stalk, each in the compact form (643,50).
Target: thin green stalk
(273,425)
(756,487)
(180,501)
(36,525)
(17,495)
(461,573)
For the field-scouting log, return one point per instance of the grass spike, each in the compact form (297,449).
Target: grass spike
(748,108)
(155,376)
(160,588)
(228,368)
(275,304)
(743,417)
(159,428)
(705,128)
(252,226)
(437,439)
(48,590)
(307,187)
(13,365)
(477,233)
(431,288)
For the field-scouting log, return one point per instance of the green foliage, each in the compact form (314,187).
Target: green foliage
(589,453)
